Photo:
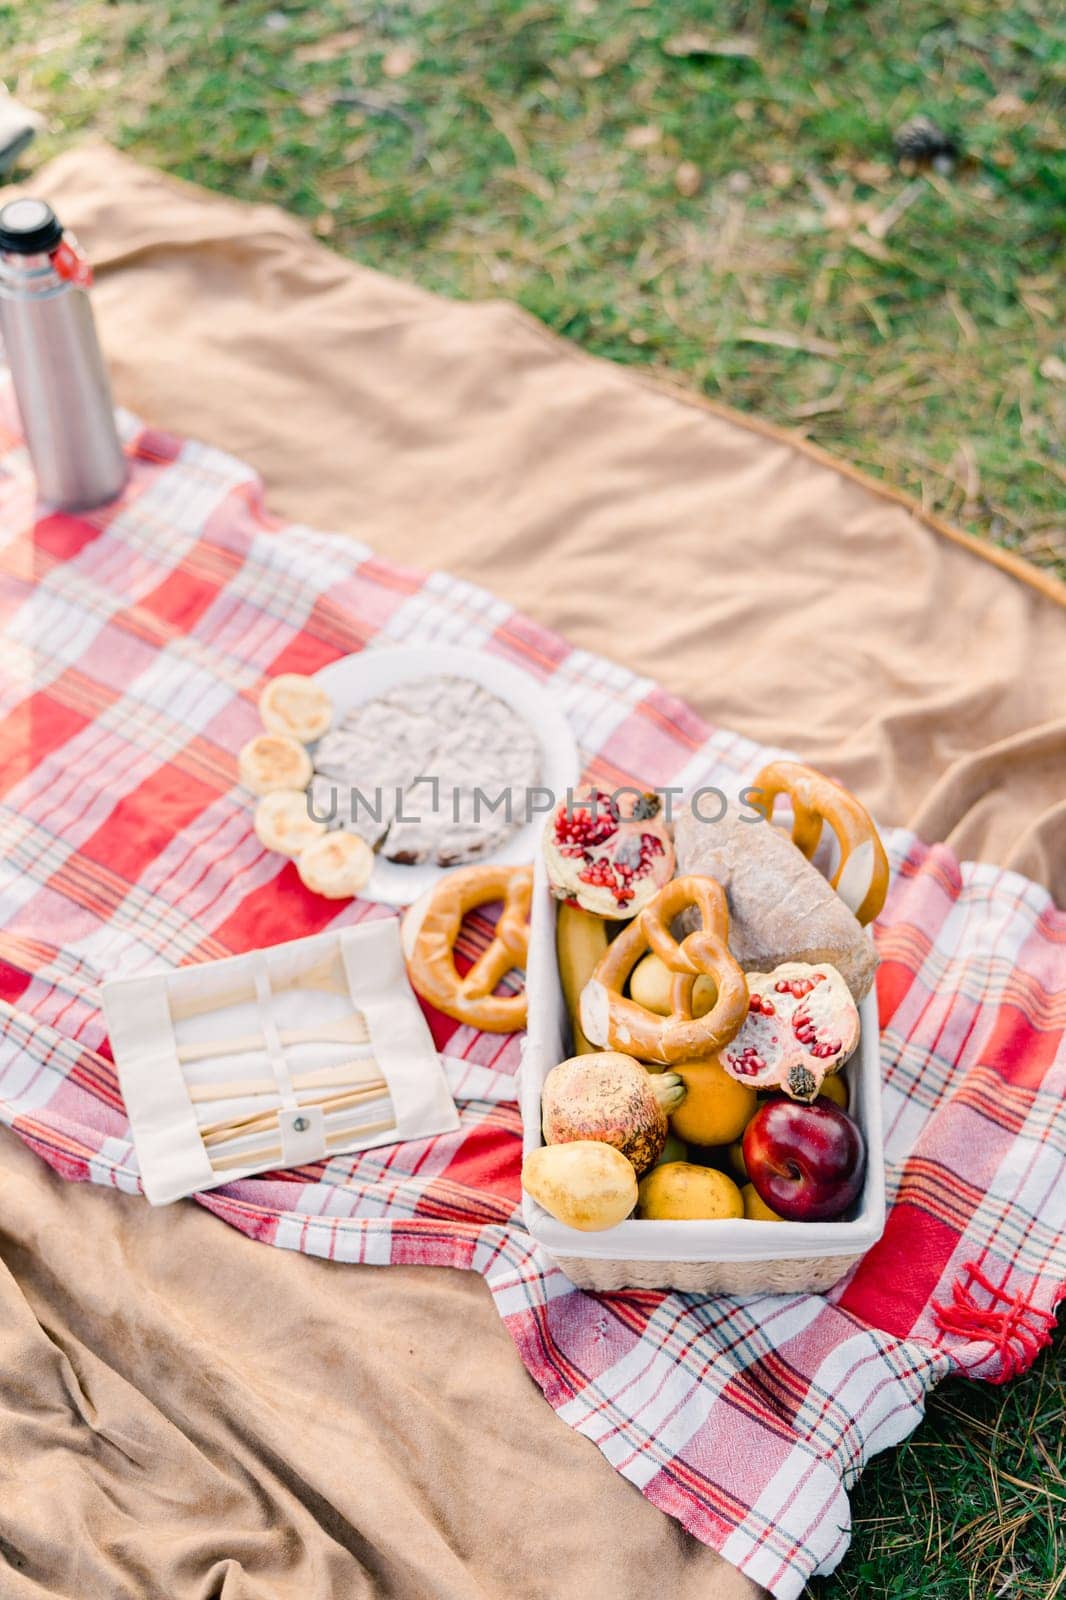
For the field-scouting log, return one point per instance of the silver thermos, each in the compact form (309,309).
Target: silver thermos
(54,355)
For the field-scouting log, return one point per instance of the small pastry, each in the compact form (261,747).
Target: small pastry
(802,1024)
(282,822)
(336,865)
(611,855)
(297,706)
(273,761)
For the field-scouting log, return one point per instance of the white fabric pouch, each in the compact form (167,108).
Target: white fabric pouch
(274,1059)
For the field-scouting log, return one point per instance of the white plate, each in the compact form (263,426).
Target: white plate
(355,679)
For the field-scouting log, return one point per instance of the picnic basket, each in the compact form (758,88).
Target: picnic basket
(724,1257)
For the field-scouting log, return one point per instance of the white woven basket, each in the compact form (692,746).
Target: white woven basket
(734,1257)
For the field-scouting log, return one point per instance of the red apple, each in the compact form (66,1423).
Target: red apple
(806,1161)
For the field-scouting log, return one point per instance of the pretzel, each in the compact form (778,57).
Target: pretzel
(612,1020)
(861,877)
(431,928)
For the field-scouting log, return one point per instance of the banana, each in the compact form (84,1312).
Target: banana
(273,761)
(336,866)
(283,824)
(580,941)
(297,706)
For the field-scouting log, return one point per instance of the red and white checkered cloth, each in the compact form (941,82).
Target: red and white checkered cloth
(135,644)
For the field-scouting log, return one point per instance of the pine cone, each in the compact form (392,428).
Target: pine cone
(921,143)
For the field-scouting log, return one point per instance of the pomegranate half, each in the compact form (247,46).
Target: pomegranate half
(609,854)
(802,1024)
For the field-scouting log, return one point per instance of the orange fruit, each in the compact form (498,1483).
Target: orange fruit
(716,1108)
(757,1210)
(681,1191)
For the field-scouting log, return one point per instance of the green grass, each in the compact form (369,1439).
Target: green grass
(495,147)
(973,1505)
(538,151)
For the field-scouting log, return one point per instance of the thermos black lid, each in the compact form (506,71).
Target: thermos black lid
(29,227)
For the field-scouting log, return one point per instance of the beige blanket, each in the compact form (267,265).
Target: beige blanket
(186,1414)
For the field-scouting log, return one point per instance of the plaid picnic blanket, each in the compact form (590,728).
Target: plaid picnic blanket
(135,643)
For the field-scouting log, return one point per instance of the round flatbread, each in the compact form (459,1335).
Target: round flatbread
(282,822)
(273,761)
(297,706)
(337,865)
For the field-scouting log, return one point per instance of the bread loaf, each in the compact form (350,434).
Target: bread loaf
(780,907)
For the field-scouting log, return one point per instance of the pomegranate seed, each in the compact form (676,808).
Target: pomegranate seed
(577,829)
(748,1063)
(630,857)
